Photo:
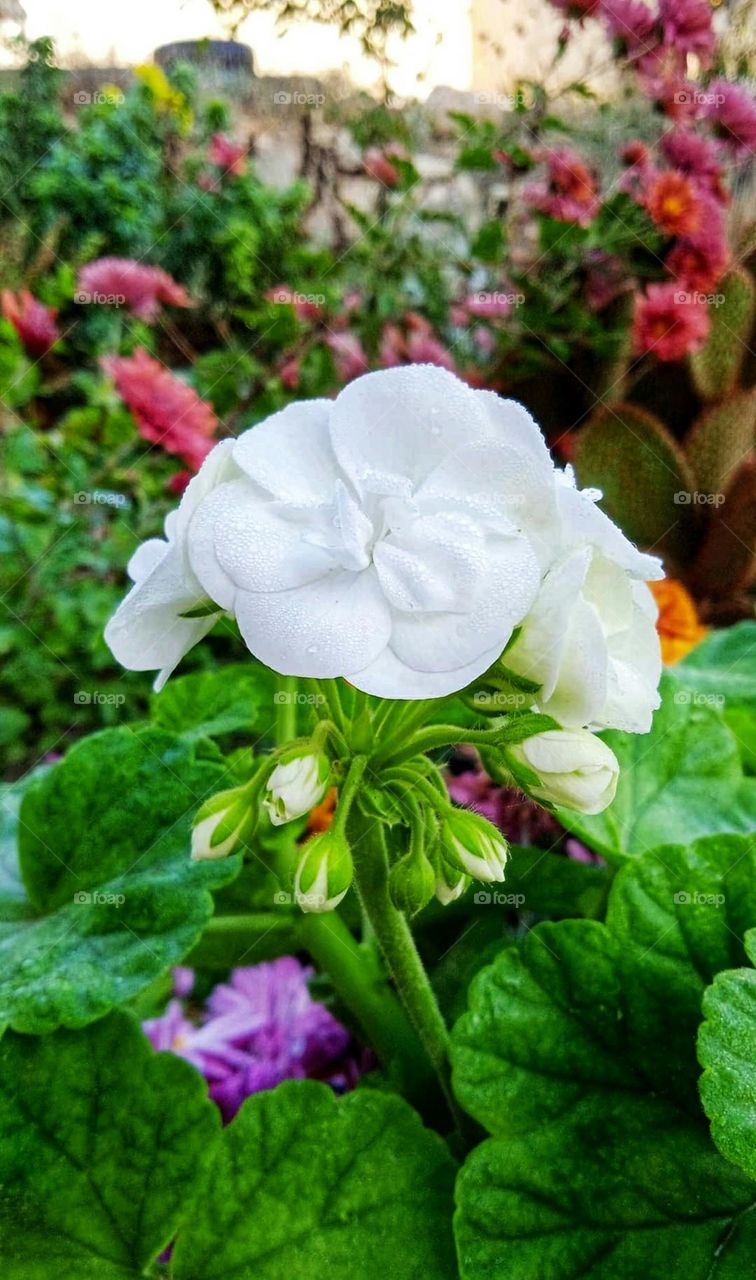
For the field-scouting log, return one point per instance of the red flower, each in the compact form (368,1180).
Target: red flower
(378,164)
(569,192)
(166,410)
(673,204)
(126,283)
(669,322)
(348,354)
(33,321)
(229,156)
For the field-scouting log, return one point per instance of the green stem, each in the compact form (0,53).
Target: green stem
(416,713)
(399,950)
(369,999)
(286,710)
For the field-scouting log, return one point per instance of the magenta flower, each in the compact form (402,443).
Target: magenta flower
(568,193)
(520,819)
(733,112)
(349,355)
(633,26)
(669,322)
(258,1029)
(126,283)
(687,28)
(33,321)
(694,156)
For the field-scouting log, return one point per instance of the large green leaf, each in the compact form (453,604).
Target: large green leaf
(682,780)
(113,897)
(578,1055)
(727,1051)
(208,704)
(721,671)
(99,1140)
(304,1184)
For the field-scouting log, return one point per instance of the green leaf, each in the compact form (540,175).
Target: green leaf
(727,1052)
(578,1055)
(99,1140)
(112,897)
(721,672)
(208,704)
(304,1183)
(682,780)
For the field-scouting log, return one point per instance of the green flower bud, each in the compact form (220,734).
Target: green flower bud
(474,845)
(412,883)
(297,784)
(223,823)
(324,873)
(450,883)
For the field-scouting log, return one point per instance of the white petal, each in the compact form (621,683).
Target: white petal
(241,538)
(218,467)
(583,521)
(439,563)
(331,627)
(633,678)
(146,631)
(290,455)
(146,558)
(389,677)
(581,687)
(539,649)
(391,428)
(446,641)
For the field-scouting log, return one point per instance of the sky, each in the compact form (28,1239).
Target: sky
(111,33)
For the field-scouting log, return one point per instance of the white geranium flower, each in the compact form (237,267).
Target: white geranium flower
(395,535)
(590,639)
(576,768)
(148,629)
(296,786)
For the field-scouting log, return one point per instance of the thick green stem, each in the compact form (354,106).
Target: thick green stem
(372,1003)
(286,710)
(398,947)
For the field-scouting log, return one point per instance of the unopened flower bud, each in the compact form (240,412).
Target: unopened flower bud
(297,784)
(575,768)
(223,823)
(324,873)
(450,883)
(412,882)
(475,845)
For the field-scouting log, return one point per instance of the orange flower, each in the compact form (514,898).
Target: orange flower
(321,817)
(677,624)
(673,204)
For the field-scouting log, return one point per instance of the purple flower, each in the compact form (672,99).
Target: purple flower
(258,1029)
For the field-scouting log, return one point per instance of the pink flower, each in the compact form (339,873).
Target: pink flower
(569,192)
(124,282)
(424,348)
(673,204)
(633,27)
(377,162)
(167,412)
(177,483)
(733,112)
(687,28)
(699,261)
(348,354)
(392,351)
(694,156)
(229,156)
(669,322)
(33,321)
(520,820)
(289,372)
(488,306)
(605,278)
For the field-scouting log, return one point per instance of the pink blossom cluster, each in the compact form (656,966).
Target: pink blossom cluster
(167,411)
(124,282)
(34,323)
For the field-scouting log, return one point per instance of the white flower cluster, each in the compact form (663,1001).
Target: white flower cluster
(397,536)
